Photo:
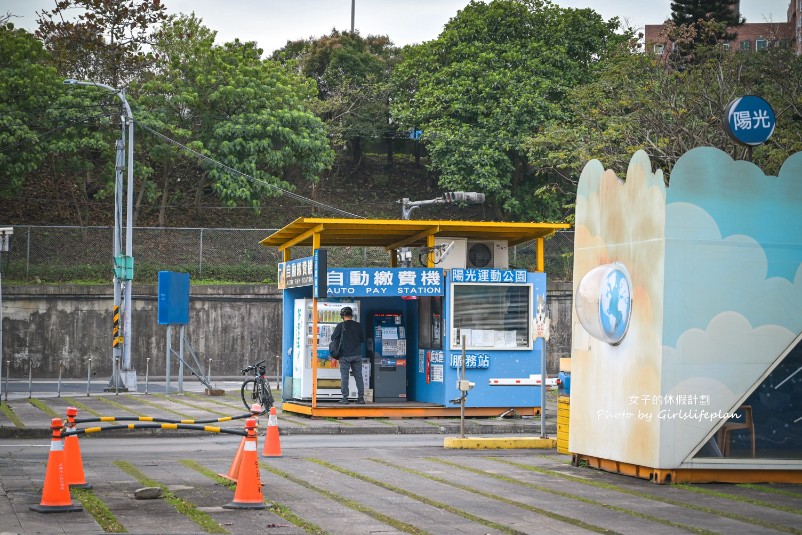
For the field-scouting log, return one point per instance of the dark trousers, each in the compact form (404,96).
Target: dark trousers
(352,364)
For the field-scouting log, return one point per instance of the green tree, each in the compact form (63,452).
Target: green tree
(105,43)
(496,74)
(27,88)
(353,80)
(227,103)
(639,102)
(699,24)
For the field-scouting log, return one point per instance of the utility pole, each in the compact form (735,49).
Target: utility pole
(353,12)
(123,375)
(5,232)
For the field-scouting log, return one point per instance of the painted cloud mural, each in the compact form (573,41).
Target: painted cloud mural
(716,267)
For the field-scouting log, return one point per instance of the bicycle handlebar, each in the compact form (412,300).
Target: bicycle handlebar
(252,367)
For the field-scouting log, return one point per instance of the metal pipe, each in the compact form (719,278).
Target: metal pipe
(209,373)
(462,398)
(8,367)
(147,370)
(30,377)
(88,376)
(60,369)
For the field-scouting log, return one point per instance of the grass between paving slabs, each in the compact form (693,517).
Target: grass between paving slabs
(772,489)
(42,406)
(140,399)
(532,508)
(548,490)
(6,409)
(99,511)
(737,498)
(277,508)
(118,405)
(188,509)
(174,399)
(418,497)
(82,407)
(342,500)
(648,496)
(216,400)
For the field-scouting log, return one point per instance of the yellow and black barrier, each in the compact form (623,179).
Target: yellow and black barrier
(160,420)
(206,428)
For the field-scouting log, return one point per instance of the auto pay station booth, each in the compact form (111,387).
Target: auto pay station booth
(462,286)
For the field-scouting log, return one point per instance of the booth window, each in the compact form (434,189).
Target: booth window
(430,321)
(491,316)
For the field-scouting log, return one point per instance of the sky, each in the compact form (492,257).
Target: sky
(271,23)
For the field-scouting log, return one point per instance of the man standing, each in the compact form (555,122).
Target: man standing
(349,337)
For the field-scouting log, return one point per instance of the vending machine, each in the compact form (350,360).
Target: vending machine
(328,369)
(389,357)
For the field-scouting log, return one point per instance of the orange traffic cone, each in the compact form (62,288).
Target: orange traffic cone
(233,470)
(56,490)
(74,465)
(248,494)
(272,439)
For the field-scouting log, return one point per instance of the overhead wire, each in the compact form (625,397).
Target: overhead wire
(248,177)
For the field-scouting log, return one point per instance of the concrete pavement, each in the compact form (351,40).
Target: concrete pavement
(31,418)
(353,483)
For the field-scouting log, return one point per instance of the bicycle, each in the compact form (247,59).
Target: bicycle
(257,390)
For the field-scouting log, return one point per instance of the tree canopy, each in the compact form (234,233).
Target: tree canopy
(494,76)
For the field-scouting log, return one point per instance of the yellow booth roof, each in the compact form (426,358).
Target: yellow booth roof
(396,233)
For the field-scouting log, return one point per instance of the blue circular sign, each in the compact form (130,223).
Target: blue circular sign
(749,120)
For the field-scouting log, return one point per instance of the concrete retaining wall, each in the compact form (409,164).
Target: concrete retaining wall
(234,325)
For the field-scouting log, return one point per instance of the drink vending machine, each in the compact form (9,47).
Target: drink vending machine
(328,369)
(389,357)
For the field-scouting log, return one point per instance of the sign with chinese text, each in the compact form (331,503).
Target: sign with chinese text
(749,120)
(296,273)
(492,275)
(374,282)
(472,360)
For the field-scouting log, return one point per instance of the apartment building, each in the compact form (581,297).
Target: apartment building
(751,36)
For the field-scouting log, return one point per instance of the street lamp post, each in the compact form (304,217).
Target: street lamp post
(5,232)
(407,206)
(123,273)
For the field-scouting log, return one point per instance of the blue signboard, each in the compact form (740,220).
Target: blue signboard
(374,282)
(295,273)
(749,120)
(173,298)
(319,268)
(485,276)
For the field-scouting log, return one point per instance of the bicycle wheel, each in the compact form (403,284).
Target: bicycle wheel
(265,396)
(247,390)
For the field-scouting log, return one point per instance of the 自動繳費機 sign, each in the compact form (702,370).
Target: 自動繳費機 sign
(373,282)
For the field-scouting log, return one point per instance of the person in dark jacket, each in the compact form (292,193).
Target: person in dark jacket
(348,334)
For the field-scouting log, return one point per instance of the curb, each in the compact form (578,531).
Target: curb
(39,432)
(483,443)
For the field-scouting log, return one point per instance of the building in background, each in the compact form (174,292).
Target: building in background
(751,35)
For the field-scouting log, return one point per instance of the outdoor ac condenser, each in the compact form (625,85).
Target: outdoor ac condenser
(487,254)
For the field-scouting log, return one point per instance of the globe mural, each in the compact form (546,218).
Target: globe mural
(603,302)
(614,305)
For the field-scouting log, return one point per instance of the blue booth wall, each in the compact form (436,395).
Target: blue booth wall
(503,364)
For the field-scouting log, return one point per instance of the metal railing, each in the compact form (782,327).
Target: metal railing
(54,254)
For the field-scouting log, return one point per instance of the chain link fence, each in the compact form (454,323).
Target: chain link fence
(59,254)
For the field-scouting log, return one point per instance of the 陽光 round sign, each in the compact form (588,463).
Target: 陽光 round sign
(749,120)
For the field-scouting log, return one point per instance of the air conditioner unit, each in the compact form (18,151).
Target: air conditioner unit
(487,254)
(452,252)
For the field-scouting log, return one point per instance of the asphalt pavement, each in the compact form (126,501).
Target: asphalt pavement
(347,476)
